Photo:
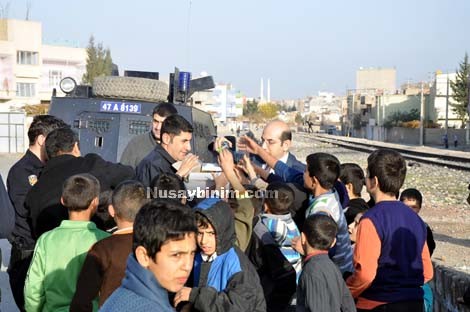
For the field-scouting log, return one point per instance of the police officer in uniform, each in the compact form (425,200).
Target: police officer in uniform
(21,177)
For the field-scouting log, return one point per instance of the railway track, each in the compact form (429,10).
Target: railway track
(438,157)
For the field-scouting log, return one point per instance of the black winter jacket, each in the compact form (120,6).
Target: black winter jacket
(154,164)
(43,201)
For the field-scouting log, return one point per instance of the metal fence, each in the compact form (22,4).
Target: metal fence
(12,132)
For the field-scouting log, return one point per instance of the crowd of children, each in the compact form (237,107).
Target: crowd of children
(245,254)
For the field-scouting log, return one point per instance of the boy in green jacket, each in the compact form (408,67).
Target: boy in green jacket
(59,254)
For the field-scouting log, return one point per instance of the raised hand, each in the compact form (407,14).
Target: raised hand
(249,145)
(218,143)
(246,165)
(220,180)
(182,295)
(226,161)
(187,165)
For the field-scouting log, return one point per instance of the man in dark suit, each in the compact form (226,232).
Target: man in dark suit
(65,160)
(277,141)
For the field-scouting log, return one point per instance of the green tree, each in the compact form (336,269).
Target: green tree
(99,61)
(268,110)
(460,90)
(250,108)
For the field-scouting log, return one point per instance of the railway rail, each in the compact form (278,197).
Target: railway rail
(415,153)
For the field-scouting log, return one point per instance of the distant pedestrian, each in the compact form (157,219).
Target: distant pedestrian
(445,139)
(238,131)
(456,141)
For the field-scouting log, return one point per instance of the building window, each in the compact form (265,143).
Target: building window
(54,77)
(27,58)
(25,89)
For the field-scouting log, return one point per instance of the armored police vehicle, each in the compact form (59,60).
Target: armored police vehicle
(109,113)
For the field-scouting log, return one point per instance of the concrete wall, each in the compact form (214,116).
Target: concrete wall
(431,136)
(434,136)
(402,135)
(447,286)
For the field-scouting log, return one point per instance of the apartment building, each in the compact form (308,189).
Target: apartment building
(29,69)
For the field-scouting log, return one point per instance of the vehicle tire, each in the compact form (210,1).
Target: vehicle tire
(130,88)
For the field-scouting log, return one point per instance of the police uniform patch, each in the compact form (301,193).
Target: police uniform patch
(32,179)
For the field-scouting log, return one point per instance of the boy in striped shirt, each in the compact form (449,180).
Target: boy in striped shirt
(320,176)
(278,220)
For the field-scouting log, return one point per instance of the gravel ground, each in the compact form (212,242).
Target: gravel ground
(444,190)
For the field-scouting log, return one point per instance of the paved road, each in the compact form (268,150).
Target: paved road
(7,304)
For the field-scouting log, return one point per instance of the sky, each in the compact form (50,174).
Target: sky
(303,46)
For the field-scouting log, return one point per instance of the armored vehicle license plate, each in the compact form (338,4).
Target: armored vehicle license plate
(120,107)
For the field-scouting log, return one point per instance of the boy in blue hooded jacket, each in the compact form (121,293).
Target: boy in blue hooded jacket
(223,277)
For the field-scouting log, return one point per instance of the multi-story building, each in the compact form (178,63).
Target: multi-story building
(29,69)
(224,102)
(383,79)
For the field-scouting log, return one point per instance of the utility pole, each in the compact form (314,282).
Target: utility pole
(421,124)
(447,105)
(377,107)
